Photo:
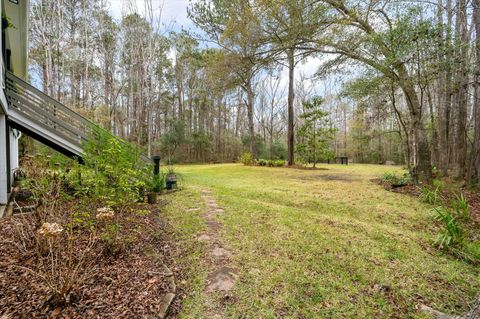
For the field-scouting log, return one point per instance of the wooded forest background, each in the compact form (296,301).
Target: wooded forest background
(402,78)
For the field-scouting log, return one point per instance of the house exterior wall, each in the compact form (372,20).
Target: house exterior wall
(17,37)
(4,187)
(3,138)
(16,40)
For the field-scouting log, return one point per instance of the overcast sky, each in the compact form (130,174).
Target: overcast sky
(172,11)
(174,17)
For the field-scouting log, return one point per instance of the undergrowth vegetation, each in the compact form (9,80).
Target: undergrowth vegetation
(271,163)
(248,159)
(430,196)
(456,234)
(81,211)
(396,180)
(452,212)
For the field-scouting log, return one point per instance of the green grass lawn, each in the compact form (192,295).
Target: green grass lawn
(317,244)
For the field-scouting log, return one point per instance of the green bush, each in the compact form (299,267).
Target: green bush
(393,179)
(156,183)
(278,163)
(113,171)
(112,242)
(270,163)
(246,158)
(262,162)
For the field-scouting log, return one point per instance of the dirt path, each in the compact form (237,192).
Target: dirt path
(221,279)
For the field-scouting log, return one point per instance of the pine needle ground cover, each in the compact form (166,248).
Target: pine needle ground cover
(326,243)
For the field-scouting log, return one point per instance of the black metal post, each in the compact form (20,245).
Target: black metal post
(156,163)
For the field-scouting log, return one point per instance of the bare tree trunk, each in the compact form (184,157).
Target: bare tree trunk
(239,113)
(291,113)
(251,132)
(422,169)
(435,156)
(444,98)
(461,91)
(474,170)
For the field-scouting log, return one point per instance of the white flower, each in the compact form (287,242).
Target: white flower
(50,230)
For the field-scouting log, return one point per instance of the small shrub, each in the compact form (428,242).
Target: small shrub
(389,177)
(278,163)
(270,163)
(262,162)
(114,170)
(438,183)
(451,232)
(156,183)
(246,158)
(395,180)
(57,261)
(111,241)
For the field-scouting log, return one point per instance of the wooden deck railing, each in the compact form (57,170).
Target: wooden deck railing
(45,111)
(55,119)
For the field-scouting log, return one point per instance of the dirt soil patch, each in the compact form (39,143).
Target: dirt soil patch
(132,284)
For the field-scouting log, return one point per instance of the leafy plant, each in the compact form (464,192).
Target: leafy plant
(113,171)
(438,183)
(392,178)
(460,205)
(246,158)
(110,239)
(262,162)
(171,170)
(156,183)
(430,196)
(270,163)
(278,163)
(277,150)
(451,232)
(389,177)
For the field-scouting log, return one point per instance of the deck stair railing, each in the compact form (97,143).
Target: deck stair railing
(32,110)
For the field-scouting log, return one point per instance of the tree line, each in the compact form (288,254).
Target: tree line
(403,76)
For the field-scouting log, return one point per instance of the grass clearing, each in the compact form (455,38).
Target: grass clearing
(319,244)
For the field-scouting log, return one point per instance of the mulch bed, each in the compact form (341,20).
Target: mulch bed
(129,285)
